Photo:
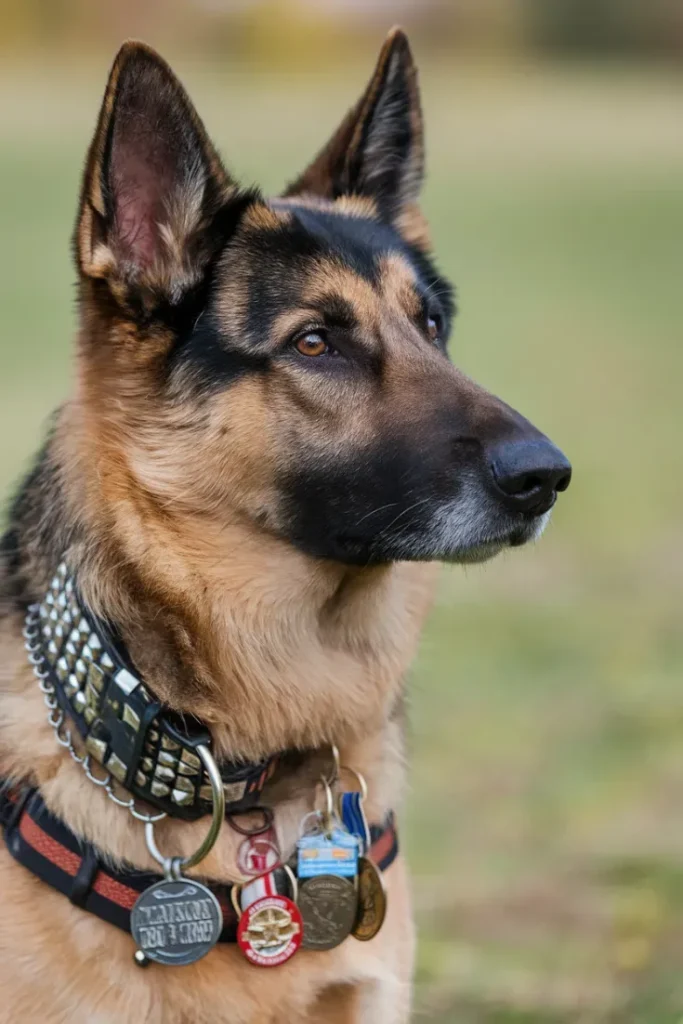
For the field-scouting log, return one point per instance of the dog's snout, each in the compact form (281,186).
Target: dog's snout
(529,473)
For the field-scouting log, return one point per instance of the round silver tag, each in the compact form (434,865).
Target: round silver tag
(176,922)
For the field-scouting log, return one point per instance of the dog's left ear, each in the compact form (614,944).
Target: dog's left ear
(378,150)
(153,185)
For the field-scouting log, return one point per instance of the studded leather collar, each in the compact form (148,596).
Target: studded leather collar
(150,750)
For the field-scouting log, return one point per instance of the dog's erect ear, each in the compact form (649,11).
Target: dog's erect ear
(378,149)
(153,183)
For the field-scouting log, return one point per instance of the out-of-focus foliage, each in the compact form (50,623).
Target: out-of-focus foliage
(289,32)
(613,27)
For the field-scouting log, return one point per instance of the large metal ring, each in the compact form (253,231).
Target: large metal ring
(217,818)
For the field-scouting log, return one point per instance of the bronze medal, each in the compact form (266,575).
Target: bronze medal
(372,901)
(328,905)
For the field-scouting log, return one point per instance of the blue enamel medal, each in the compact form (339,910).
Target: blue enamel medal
(328,853)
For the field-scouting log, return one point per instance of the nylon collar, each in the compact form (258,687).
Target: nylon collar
(56,855)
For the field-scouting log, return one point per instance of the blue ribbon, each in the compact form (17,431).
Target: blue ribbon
(353,817)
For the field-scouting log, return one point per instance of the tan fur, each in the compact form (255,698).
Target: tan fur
(265,218)
(348,206)
(412,224)
(397,285)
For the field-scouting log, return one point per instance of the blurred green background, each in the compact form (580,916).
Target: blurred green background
(545,821)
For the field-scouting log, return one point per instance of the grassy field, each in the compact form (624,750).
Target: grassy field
(545,825)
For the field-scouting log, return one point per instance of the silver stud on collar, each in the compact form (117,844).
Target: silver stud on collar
(56,718)
(93,692)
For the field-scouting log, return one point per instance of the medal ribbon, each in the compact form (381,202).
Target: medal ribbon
(353,818)
(264,885)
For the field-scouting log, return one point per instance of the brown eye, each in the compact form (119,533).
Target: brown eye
(433,328)
(312,344)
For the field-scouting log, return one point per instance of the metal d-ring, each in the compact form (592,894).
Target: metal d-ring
(326,817)
(235,893)
(292,881)
(174,865)
(328,814)
(337,763)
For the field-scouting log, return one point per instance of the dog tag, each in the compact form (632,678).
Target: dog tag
(372,901)
(328,905)
(327,853)
(176,922)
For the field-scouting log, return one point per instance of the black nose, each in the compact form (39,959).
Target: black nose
(530,473)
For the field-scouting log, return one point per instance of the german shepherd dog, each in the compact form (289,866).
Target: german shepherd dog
(266,453)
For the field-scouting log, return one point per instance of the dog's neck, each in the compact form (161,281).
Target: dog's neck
(272,649)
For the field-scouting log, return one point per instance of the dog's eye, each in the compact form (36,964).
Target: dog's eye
(434,327)
(312,343)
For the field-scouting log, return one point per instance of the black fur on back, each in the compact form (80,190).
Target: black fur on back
(38,532)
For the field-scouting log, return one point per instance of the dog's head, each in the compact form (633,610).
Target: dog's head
(284,361)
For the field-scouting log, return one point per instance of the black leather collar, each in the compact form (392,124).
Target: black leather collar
(150,750)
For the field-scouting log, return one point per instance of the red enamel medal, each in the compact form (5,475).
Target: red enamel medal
(270,929)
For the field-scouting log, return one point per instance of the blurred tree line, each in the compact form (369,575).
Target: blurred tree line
(289,32)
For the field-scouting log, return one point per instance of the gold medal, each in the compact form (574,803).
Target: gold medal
(328,905)
(372,901)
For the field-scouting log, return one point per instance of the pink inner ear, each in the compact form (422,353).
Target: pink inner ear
(140,181)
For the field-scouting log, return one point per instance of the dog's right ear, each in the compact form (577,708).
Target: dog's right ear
(378,150)
(153,185)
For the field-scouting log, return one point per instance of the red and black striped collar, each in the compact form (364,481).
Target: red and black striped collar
(71,865)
